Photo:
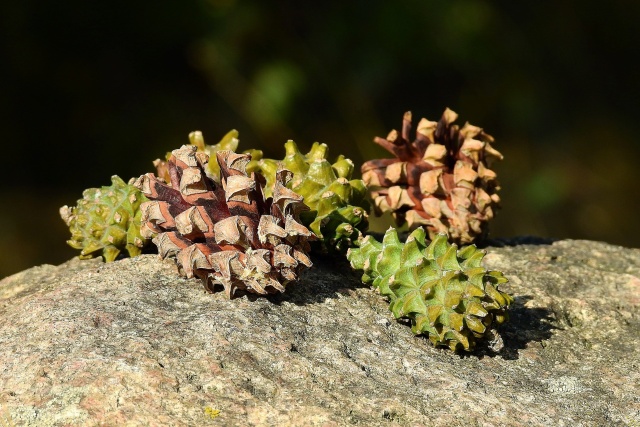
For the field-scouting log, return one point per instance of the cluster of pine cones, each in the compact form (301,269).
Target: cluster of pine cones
(242,222)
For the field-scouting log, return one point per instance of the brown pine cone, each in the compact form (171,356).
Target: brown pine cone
(441,181)
(226,234)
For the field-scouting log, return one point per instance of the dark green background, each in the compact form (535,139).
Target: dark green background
(91,89)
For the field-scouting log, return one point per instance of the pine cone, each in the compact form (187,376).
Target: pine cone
(106,221)
(445,293)
(441,180)
(339,206)
(226,233)
(228,142)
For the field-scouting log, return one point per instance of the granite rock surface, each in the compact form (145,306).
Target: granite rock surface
(133,344)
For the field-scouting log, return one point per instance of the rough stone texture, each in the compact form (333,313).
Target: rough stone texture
(132,344)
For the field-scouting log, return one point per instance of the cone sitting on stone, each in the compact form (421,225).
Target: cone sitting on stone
(226,234)
(445,292)
(228,142)
(442,180)
(339,205)
(106,221)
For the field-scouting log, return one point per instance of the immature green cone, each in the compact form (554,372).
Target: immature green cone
(339,205)
(106,221)
(228,142)
(445,292)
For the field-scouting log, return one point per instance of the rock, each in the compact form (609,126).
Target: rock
(132,344)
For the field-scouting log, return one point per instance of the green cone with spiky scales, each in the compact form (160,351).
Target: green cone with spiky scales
(228,142)
(106,221)
(339,204)
(445,292)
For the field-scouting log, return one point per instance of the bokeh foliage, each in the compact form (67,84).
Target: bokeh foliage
(92,89)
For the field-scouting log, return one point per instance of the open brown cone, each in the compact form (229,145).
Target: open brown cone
(442,180)
(226,234)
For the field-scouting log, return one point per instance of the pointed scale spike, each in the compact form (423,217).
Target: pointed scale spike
(495,294)
(110,253)
(449,260)
(403,282)
(420,236)
(294,160)
(474,324)
(456,321)
(343,167)
(471,291)
(476,276)
(459,340)
(354,215)
(476,309)
(411,304)
(496,277)
(434,312)
(91,246)
(452,300)
(438,247)
(421,324)
(321,173)
(391,237)
(269,168)
(411,252)
(318,152)
(341,188)
(229,141)
(344,229)
(388,259)
(471,257)
(359,193)
(326,205)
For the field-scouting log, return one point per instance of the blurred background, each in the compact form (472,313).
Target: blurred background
(92,89)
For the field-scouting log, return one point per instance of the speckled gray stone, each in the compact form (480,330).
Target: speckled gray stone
(132,344)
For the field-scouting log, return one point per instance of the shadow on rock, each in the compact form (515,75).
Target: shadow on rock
(524,326)
(330,276)
(501,242)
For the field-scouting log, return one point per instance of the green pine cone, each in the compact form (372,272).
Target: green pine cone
(228,142)
(445,292)
(106,221)
(339,206)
